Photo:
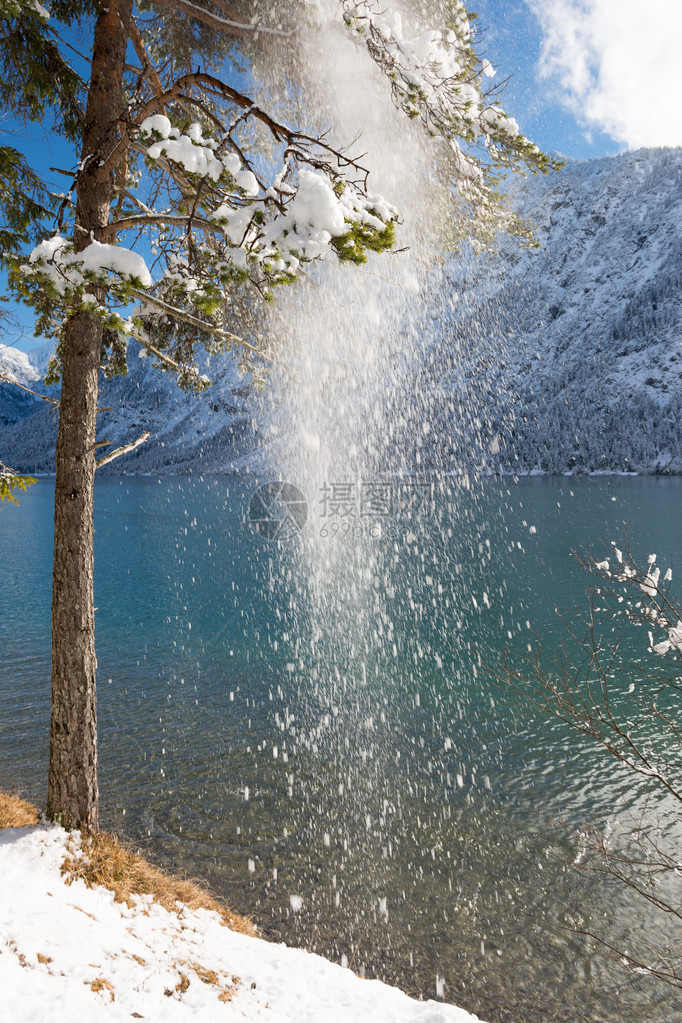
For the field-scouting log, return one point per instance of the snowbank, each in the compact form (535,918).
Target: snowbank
(68,952)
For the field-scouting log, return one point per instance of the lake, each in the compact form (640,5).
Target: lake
(304,722)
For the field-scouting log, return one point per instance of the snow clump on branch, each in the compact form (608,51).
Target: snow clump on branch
(660,611)
(196,154)
(438,78)
(226,231)
(56,260)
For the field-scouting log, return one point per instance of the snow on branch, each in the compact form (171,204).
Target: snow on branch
(17,8)
(643,595)
(68,270)
(438,78)
(221,229)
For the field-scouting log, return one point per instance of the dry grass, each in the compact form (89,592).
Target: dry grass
(104,861)
(12,946)
(107,863)
(102,984)
(182,984)
(226,986)
(16,812)
(207,976)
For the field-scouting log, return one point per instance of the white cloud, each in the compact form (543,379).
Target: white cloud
(617,65)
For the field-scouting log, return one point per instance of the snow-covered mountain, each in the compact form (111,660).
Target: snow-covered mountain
(214,432)
(563,358)
(568,357)
(16,404)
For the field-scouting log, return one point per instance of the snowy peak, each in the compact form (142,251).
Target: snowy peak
(15,403)
(18,365)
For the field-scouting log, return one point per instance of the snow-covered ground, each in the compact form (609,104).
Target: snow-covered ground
(69,952)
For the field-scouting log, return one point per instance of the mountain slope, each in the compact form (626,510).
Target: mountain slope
(570,354)
(566,358)
(189,433)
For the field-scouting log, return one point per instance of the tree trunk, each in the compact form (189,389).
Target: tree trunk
(73,794)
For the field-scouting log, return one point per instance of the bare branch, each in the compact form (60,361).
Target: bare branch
(147,67)
(122,451)
(162,219)
(43,397)
(221,24)
(631,710)
(195,321)
(138,202)
(669,975)
(171,363)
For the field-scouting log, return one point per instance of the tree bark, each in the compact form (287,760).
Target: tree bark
(73,794)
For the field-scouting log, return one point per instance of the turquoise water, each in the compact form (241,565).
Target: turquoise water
(308,718)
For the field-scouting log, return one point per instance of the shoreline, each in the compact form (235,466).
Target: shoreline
(444,474)
(76,949)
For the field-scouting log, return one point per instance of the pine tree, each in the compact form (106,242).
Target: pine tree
(36,80)
(169,168)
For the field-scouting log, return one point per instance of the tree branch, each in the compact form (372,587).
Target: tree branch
(121,451)
(162,219)
(221,24)
(141,51)
(171,363)
(43,397)
(281,132)
(195,321)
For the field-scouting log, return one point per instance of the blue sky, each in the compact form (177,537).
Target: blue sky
(513,42)
(589,78)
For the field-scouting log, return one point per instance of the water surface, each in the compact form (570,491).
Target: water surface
(309,718)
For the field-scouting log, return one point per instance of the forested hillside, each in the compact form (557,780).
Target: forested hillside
(569,356)
(565,358)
